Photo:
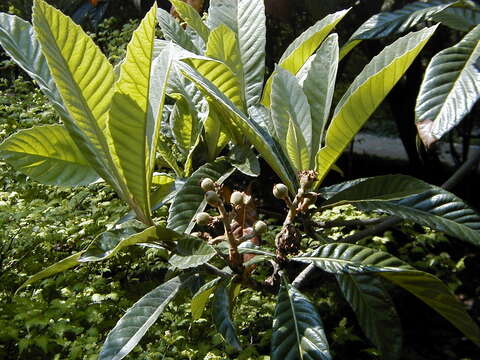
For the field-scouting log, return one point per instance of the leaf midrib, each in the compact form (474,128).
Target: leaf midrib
(464,69)
(295,322)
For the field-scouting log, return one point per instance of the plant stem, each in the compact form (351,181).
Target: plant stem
(216,271)
(234,256)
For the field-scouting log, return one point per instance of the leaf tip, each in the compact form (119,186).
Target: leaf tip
(424,129)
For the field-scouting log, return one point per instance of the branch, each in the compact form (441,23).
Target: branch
(216,271)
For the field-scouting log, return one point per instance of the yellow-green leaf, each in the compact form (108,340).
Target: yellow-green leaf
(84,79)
(223,45)
(367,92)
(132,124)
(192,18)
(303,47)
(48,155)
(297,148)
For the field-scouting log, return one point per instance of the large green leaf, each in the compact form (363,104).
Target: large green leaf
(258,136)
(219,74)
(190,200)
(84,79)
(223,45)
(215,133)
(251,40)
(109,243)
(173,31)
(450,88)
(339,258)
(18,39)
(137,320)
(190,111)
(318,86)
(386,187)
(223,12)
(162,68)
(192,18)
(396,22)
(303,47)
(165,189)
(296,147)
(297,328)
(129,116)
(291,115)
(184,124)
(221,312)
(200,299)
(435,208)
(244,159)
(48,154)
(61,266)
(367,92)
(462,16)
(247,19)
(438,296)
(247,247)
(191,252)
(375,312)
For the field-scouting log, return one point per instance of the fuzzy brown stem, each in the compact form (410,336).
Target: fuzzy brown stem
(234,255)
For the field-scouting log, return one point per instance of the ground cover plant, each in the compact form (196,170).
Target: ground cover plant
(196,103)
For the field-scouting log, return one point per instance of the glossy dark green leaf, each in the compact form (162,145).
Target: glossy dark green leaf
(190,199)
(438,296)
(450,88)
(395,22)
(339,258)
(375,312)
(297,328)
(221,311)
(200,299)
(387,187)
(399,21)
(137,320)
(191,252)
(328,192)
(462,17)
(435,208)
